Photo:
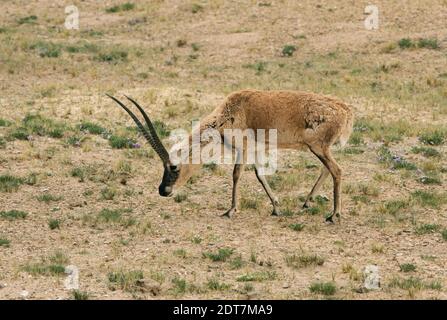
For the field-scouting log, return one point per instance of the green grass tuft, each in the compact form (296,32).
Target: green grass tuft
(119,142)
(431,43)
(324,288)
(92,128)
(215,285)
(129,281)
(123,7)
(407,267)
(405,43)
(429,199)
(304,260)
(180,197)
(54,224)
(179,285)
(50,266)
(221,255)
(10,183)
(427,228)
(296,226)
(257,276)
(112,56)
(288,50)
(414,283)
(4,242)
(13,215)
(47,198)
(80,295)
(27,20)
(46,49)
(426,151)
(433,138)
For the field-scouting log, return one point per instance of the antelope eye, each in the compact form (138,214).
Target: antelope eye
(174,168)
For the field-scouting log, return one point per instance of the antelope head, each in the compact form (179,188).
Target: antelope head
(174,175)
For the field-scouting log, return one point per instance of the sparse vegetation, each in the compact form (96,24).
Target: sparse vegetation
(127,6)
(249,203)
(405,43)
(296,226)
(179,285)
(2,143)
(430,180)
(180,197)
(38,125)
(414,283)
(427,228)
(426,151)
(27,20)
(428,43)
(54,224)
(433,138)
(237,263)
(444,234)
(108,193)
(397,162)
(80,295)
(429,199)
(407,267)
(10,183)
(303,260)
(119,142)
(221,255)
(4,242)
(288,50)
(53,265)
(129,281)
(47,198)
(106,216)
(4,123)
(13,214)
(257,276)
(46,49)
(71,161)
(215,285)
(394,206)
(92,128)
(195,8)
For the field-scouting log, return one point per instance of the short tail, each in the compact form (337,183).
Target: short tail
(347,129)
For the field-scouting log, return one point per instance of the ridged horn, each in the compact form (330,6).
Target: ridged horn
(159,148)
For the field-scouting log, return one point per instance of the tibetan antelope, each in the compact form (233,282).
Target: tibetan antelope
(301,119)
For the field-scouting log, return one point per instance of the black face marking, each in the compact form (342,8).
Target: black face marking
(170,176)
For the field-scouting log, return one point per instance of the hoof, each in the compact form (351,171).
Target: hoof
(229,213)
(330,219)
(305,205)
(276,212)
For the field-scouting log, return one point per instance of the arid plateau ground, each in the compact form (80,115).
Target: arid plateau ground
(74,190)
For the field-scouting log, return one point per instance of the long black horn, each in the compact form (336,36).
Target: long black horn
(153,142)
(159,148)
